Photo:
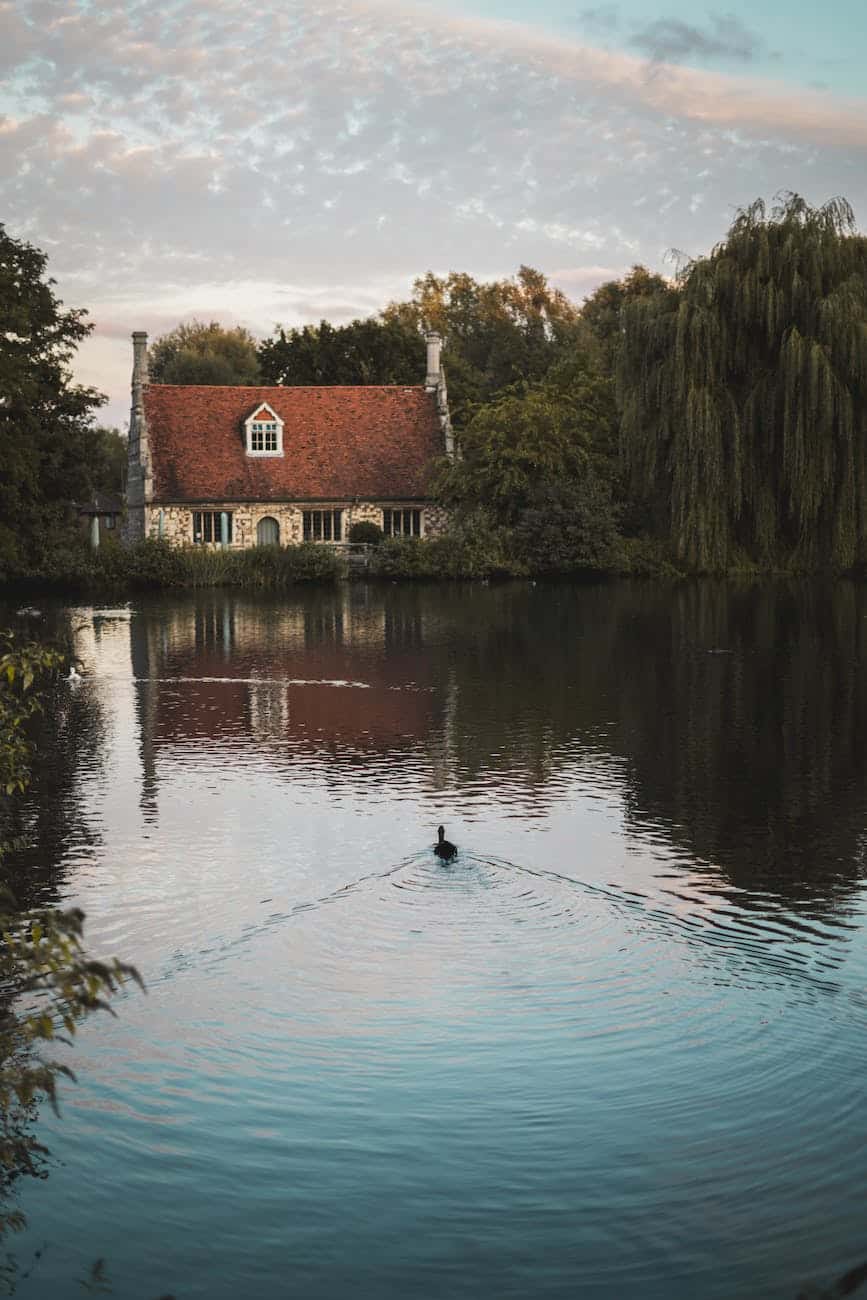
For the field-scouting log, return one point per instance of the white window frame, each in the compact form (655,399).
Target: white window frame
(388,513)
(251,422)
(336,515)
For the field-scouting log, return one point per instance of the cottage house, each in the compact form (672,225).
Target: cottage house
(256,466)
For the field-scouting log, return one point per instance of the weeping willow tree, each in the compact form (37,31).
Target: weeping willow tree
(743,392)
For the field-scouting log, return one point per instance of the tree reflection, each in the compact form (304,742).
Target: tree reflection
(736,714)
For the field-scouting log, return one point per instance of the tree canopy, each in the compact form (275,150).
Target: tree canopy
(371,351)
(496,334)
(602,311)
(46,420)
(199,353)
(529,440)
(744,392)
(106,460)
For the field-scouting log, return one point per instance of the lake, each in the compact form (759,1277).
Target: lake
(615,1049)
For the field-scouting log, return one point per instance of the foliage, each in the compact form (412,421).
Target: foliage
(277,567)
(46,434)
(106,460)
(602,312)
(532,437)
(496,334)
(570,527)
(473,549)
(21,666)
(366,531)
(43,962)
(371,351)
(156,563)
(744,393)
(199,353)
(649,557)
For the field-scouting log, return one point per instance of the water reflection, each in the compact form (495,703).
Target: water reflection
(53,818)
(730,722)
(618,1039)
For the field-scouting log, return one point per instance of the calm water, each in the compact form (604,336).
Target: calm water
(617,1049)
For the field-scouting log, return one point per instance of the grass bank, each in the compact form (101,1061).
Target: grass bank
(154,564)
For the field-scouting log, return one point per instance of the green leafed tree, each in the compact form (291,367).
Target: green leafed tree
(106,460)
(49,982)
(370,351)
(46,420)
(199,353)
(602,312)
(744,393)
(531,437)
(534,462)
(497,333)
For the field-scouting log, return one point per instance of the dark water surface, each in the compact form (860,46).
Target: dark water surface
(616,1049)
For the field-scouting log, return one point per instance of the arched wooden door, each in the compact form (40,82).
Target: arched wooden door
(268,532)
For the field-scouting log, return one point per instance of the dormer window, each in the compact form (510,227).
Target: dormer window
(263,435)
(264,432)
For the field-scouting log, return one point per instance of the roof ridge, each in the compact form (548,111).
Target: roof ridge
(284,388)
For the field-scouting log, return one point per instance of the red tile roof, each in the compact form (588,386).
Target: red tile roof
(373,442)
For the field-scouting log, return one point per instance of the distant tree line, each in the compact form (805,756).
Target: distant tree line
(714,420)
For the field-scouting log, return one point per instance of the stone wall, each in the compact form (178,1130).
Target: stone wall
(435,521)
(178,520)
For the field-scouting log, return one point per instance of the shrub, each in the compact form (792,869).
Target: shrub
(275,567)
(472,549)
(366,531)
(569,528)
(649,557)
(150,563)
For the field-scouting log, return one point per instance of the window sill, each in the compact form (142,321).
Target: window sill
(259,455)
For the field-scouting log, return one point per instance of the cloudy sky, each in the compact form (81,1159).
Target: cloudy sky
(292,159)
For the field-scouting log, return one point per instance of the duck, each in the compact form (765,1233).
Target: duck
(444,848)
(73,676)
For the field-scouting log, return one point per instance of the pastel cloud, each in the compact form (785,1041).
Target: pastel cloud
(311,158)
(723,36)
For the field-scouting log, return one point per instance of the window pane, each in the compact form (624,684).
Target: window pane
(317,525)
(386,522)
(338,525)
(416,523)
(326,525)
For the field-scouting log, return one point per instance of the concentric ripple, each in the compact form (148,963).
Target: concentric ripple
(615,1049)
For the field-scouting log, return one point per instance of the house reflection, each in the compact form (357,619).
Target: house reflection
(333,673)
(730,722)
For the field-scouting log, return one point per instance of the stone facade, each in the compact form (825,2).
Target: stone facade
(177,520)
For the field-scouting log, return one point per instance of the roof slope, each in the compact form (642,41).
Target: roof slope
(374,442)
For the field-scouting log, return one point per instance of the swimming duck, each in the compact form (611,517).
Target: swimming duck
(444,848)
(74,676)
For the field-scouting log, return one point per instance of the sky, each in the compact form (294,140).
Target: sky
(292,160)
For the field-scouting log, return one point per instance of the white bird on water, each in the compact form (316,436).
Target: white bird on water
(73,676)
